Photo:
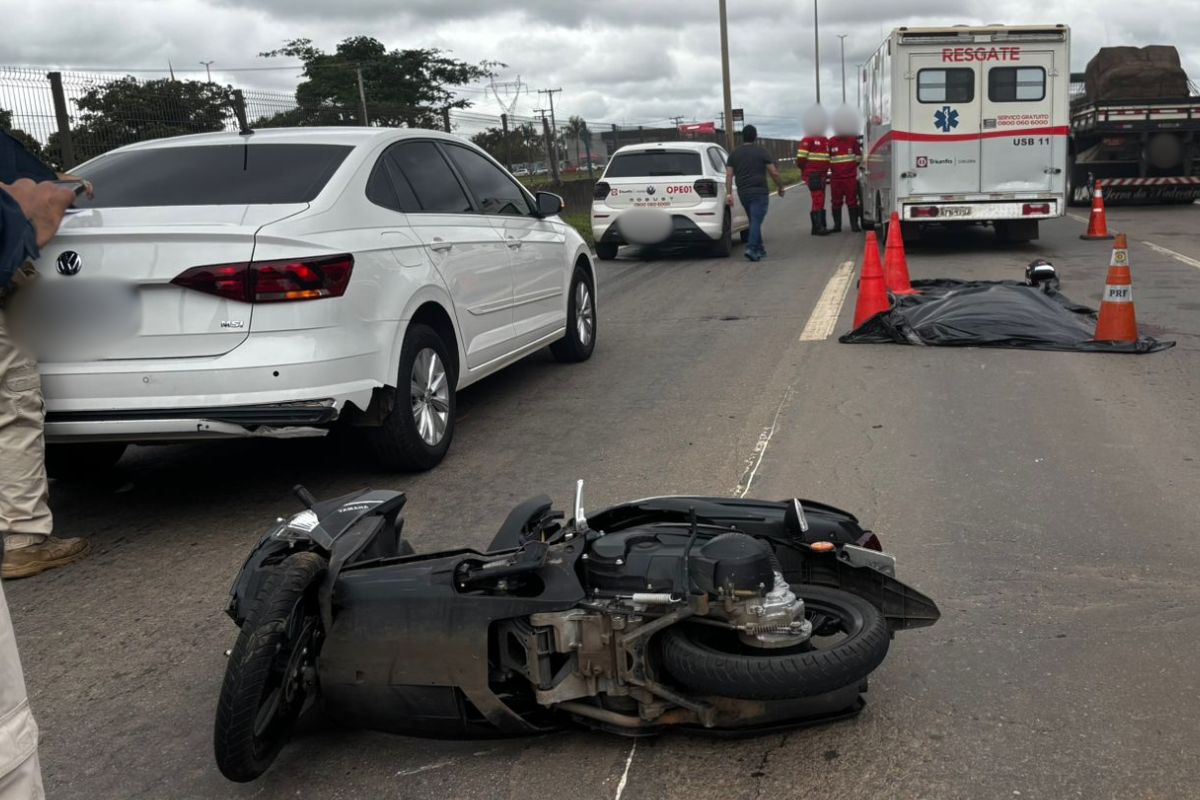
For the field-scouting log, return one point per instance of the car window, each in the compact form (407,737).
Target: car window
(495,192)
(946,85)
(649,163)
(1016,84)
(389,188)
(421,166)
(717,157)
(211,175)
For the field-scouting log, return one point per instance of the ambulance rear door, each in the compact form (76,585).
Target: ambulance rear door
(940,152)
(1021,146)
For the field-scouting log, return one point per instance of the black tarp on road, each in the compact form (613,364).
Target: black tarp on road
(951,313)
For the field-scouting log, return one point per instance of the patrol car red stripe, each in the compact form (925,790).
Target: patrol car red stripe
(908,136)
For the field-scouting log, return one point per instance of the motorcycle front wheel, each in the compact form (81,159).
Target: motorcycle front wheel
(850,639)
(270,672)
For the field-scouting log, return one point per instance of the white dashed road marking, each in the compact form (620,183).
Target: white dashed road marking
(1191,262)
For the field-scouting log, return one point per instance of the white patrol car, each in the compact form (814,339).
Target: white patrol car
(666,192)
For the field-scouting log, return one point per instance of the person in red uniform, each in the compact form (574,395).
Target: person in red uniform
(812,159)
(845,154)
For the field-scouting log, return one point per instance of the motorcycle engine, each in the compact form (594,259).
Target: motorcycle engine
(737,571)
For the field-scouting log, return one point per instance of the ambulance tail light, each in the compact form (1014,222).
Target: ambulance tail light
(705,187)
(1030,209)
(924,212)
(600,191)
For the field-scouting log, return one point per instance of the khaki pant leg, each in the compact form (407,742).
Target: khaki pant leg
(25,517)
(20,772)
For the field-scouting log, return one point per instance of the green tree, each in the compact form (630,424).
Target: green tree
(403,87)
(577,129)
(126,110)
(31,144)
(524,144)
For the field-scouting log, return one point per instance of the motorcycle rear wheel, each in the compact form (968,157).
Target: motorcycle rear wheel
(265,684)
(850,639)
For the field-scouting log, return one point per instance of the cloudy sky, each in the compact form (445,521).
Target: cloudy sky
(622,61)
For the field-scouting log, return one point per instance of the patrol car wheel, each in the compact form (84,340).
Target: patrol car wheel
(606,251)
(722,247)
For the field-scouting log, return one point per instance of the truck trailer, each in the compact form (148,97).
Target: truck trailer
(967,124)
(1135,126)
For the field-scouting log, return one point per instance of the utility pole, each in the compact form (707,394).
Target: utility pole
(362,96)
(553,127)
(842,37)
(207,69)
(727,116)
(817,51)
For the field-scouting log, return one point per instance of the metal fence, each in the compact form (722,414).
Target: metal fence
(69,117)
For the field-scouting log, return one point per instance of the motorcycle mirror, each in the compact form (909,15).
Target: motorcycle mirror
(580,519)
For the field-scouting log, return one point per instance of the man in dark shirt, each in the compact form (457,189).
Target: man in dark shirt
(747,168)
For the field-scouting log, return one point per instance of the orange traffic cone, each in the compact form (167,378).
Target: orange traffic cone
(1117,322)
(1098,221)
(895,264)
(872,296)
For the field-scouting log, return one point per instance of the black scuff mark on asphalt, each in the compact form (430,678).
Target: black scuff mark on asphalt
(760,771)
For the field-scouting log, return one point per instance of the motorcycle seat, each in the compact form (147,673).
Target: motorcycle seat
(518,521)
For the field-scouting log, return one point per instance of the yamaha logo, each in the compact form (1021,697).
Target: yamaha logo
(69,263)
(649,190)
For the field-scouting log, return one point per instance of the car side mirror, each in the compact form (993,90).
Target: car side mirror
(548,204)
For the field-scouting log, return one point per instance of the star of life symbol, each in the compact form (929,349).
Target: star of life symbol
(945,118)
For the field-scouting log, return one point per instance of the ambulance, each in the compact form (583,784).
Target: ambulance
(967,125)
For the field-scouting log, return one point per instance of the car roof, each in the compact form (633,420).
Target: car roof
(352,136)
(697,147)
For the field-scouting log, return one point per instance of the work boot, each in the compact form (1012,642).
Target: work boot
(854,217)
(818,223)
(48,554)
(837,221)
(824,222)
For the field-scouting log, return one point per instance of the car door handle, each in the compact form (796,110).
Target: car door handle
(440,245)
(513,242)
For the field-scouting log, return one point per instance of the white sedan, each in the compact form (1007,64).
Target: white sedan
(280,281)
(666,193)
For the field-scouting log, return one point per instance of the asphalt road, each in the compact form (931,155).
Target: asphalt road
(1048,501)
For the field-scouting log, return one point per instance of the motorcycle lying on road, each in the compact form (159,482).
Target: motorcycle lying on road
(711,614)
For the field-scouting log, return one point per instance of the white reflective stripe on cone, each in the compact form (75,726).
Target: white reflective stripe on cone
(1118,294)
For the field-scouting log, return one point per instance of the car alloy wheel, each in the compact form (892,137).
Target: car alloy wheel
(430,396)
(585,314)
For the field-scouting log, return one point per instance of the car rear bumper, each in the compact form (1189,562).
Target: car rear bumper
(273,384)
(684,229)
(279,421)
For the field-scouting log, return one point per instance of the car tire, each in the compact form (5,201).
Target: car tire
(606,251)
(73,461)
(722,247)
(403,441)
(580,339)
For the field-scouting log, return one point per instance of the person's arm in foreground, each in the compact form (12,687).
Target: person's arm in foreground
(728,185)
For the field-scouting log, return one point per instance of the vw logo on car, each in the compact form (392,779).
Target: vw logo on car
(69,263)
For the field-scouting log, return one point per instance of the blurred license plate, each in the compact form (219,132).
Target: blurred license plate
(78,318)
(955,211)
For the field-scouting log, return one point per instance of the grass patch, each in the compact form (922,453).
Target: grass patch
(789,173)
(582,222)
(535,182)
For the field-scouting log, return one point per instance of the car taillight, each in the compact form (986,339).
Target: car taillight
(600,191)
(705,187)
(1035,208)
(919,212)
(272,281)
